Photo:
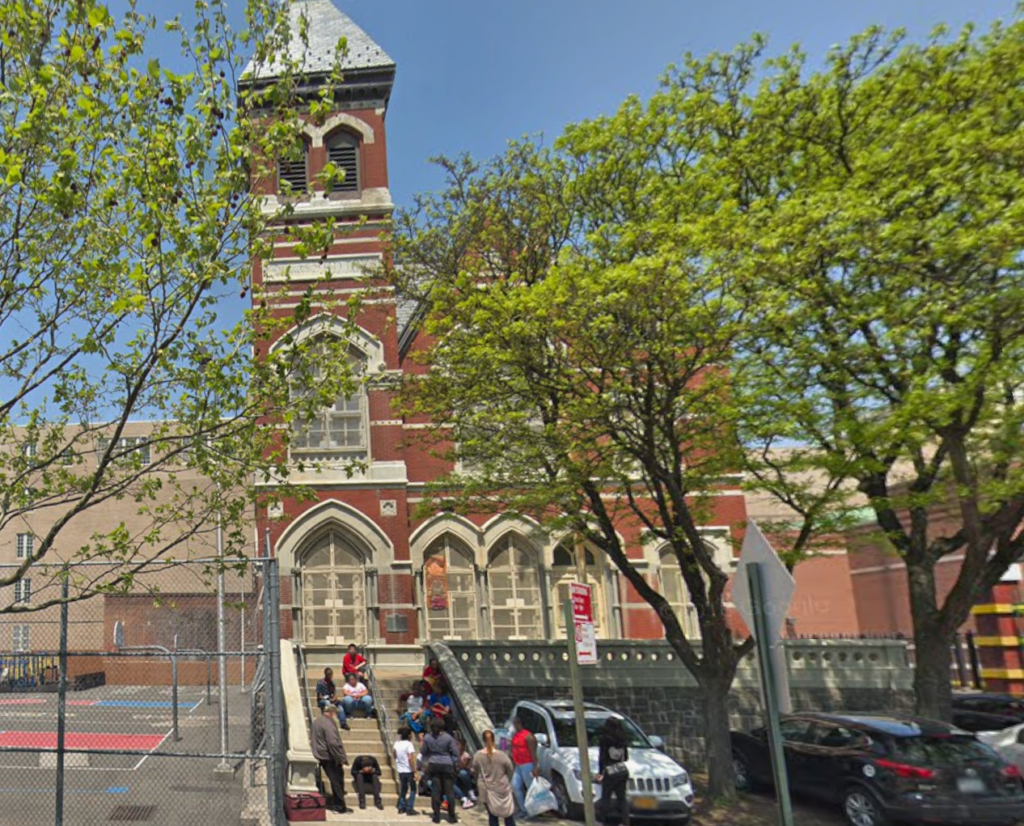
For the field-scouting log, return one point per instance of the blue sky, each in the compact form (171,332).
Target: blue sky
(474,73)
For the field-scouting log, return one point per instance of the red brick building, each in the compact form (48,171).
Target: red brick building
(356,564)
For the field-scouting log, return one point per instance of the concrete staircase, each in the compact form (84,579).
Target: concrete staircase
(366,736)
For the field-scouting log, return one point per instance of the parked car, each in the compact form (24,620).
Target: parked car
(659,788)
(987,712)
(880,769)
(1009,743)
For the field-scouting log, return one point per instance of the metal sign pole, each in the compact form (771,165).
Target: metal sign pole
(581,724)
(769,686)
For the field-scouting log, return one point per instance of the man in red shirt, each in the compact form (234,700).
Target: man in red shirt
(353,663)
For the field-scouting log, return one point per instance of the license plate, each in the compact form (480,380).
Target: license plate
(970,785)
(646,803)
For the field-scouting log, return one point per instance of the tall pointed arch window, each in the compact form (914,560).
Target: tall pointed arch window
(449,590)
(513,581)
(332,573)
(673,588)
(564,572)
(338,432)
(343,153)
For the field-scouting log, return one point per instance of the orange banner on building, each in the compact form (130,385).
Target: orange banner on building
(435,583)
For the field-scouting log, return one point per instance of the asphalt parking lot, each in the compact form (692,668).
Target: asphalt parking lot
(119,767)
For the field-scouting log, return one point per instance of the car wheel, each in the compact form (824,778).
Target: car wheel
(744,778)
(566,808)
(861,808)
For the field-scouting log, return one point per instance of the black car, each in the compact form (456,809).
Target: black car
(880,769)
(987,712)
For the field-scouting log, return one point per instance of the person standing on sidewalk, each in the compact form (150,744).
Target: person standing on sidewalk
(493,772)
(440,758)
(524,759)
(613,773)
(330,753)
(405,765)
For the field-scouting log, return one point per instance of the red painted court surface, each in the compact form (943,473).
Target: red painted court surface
(80,740)
(21,701)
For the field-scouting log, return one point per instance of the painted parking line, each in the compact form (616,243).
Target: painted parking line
(108,790)
(80,740)
(143,704)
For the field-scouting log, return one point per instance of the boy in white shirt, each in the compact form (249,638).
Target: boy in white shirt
(405,765)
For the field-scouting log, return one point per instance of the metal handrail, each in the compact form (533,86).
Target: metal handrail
(383,720)
(305,685)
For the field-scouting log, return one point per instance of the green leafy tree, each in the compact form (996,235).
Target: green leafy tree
(576,352)
(879,200)
(130,209)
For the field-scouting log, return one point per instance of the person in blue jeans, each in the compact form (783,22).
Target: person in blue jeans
(326,694)
(524,760)
(357,696)
(405,766)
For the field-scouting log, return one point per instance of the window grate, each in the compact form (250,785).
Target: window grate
(293,173)
(345,157)
(133,814)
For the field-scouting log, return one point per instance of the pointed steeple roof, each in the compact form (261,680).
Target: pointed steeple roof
(326,25)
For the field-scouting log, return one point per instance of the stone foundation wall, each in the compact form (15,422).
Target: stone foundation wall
(645,681)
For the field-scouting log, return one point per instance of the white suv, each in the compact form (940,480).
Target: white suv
(659,788)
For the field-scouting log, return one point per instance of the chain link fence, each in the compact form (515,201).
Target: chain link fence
(156,701)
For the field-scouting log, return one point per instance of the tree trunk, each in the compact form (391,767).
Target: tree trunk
(717,743)
(933,687)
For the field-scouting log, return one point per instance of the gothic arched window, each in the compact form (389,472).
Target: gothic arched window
(513,581)
(338,431)
(449,590)
(332,573)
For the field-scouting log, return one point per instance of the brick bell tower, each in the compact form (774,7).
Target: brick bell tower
(345,570)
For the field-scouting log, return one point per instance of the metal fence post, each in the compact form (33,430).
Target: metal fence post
(277,746)
(62,699)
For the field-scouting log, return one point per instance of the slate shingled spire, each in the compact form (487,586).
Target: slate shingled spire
(326,25)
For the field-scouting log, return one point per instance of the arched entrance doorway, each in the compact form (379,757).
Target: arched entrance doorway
(514,593)
(332,584)
(448,590)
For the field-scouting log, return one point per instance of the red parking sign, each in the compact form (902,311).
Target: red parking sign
(583,622)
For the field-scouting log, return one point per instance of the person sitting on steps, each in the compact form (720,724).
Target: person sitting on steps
(357,696)
(353,663)
(327,694)
(412,709)
(366,776)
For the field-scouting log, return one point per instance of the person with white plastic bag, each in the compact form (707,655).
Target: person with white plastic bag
(540,798)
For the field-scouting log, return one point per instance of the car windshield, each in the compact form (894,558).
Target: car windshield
(943,752)
(565,731)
